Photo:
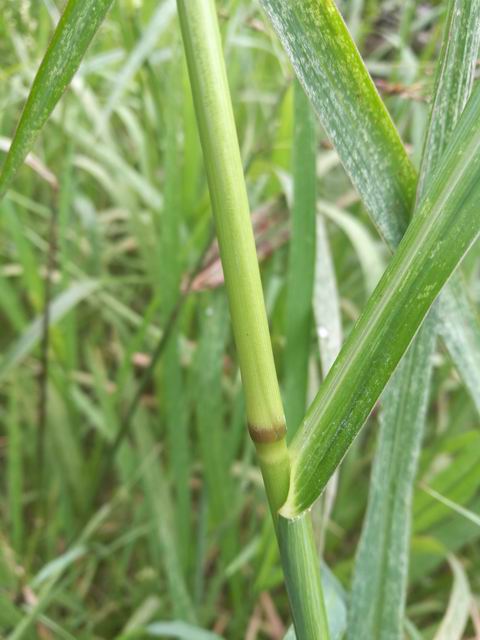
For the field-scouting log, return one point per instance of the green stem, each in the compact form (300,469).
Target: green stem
(228,194)
(223,164)
(302,576)
(232,218)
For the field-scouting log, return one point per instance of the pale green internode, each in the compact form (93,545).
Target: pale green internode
(247,308)
(232,217)
(275,464)
(266,420)
(236,241)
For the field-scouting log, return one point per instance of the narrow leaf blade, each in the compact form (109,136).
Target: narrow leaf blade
(76,28)
(346,100)
(447,224)
(301,266)
(381,567)
(460,329)
(326,301)
(59,307)
(354,117)
(380,577)
(456,617)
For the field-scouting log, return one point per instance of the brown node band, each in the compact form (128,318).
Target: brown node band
(267,435)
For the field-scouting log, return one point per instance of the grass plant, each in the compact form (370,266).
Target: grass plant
(344,185)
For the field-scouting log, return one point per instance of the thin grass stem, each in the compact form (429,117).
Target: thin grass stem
(228,194)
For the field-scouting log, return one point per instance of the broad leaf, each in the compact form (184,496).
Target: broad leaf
(351,111)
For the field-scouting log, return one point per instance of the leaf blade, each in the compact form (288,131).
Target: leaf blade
(460,330)
(59,307)
(75,30)
(355,119)
(396,308)
(352,113)
(456,616)
(381,567)
(326,301)
(301,262)
(380,577)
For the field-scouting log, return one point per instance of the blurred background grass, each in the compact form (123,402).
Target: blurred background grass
(130,494)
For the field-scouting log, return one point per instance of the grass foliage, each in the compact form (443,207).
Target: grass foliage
(132,505)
